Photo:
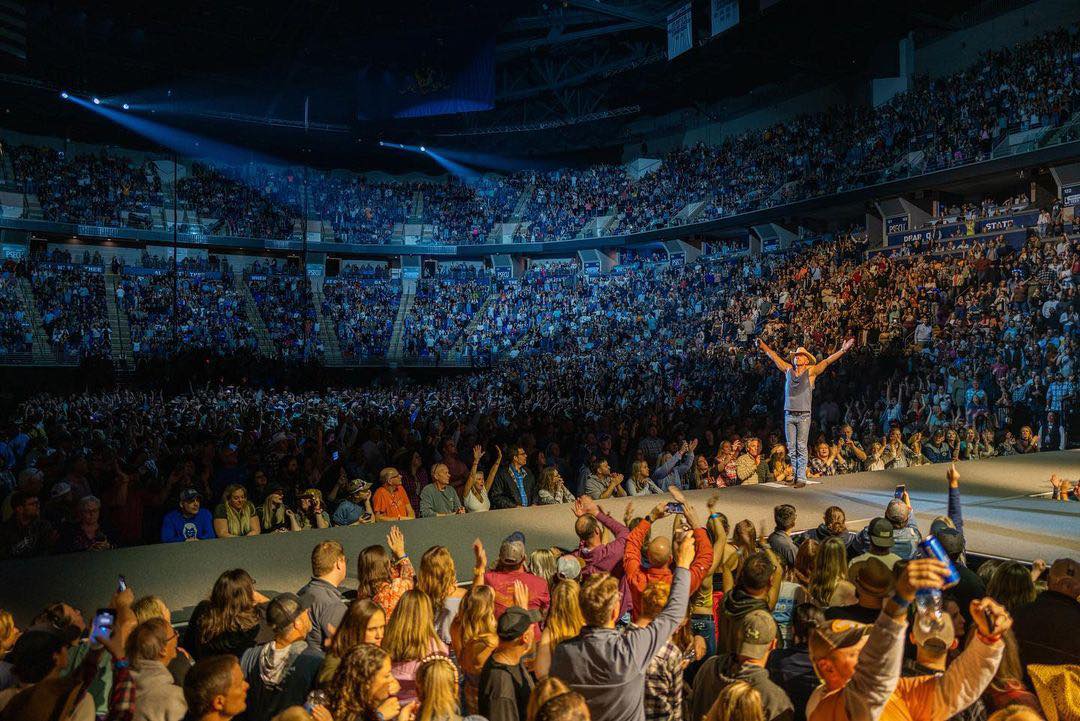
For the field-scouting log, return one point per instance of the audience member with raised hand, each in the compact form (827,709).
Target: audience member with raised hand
(608,667)
(475,494)
(659,551)
(385,577)
(859,664)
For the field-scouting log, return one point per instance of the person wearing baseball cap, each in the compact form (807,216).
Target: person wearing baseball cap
(799,377)
(1041,624)
(505,684)
(189,522)
(757,637)
(859,664)
(877,537)
(932,647)
(510,567)
(280,672)
(355,508)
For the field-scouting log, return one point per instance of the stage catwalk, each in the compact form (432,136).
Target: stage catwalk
(1003,516)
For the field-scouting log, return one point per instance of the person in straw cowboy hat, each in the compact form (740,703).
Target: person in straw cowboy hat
(799,376)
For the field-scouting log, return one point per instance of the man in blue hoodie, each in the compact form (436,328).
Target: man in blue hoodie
(189,522)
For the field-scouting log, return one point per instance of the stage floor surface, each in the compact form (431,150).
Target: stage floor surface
(1006,507)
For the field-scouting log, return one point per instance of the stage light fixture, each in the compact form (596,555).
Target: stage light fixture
(64,95)
(97,101)
(423,149)
(126,106)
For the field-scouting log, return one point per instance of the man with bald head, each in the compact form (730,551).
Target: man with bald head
(658,551)
(596,555)
(1042,626)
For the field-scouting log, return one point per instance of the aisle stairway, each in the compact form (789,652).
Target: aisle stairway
(119,324)
(266,343)
(523,203)
(408,297)
(327,332)
(33,208)
(481,314)
(43,352)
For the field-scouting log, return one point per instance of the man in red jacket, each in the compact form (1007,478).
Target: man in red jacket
(659,552)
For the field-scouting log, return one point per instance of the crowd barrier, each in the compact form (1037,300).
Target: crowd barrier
(1001,519)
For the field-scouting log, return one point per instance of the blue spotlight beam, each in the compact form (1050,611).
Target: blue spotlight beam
(183,142)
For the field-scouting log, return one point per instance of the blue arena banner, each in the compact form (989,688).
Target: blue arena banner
(896,224)
(1007,222)
(592,267)
(1070,195)
(677,260)
(724,15)
(504,272)
(680,34)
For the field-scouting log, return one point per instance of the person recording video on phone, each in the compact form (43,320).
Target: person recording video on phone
(658,550)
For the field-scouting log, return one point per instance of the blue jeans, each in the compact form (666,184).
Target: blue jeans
(705,626)
(797,435)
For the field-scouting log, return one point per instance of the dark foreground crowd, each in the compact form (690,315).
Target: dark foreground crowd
(710,622)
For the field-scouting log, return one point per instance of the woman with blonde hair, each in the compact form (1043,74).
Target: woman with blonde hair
(828,581)
(473,638)
(543,563)
(737,702)
(410,636)
(1008,688)
(437,690)
(640,482)
(475,496)
(149,607)
(364,622)
(780,467)
(564,621)
(438,579)
(552,490)
(543,692)
(235,515)
(746,542)
(9,632)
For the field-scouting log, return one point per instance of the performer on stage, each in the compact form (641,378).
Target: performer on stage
(799,376)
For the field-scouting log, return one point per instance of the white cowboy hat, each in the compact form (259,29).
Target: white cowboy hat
(802,351)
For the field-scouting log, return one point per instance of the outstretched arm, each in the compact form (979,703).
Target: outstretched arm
(824,363)
(782,364)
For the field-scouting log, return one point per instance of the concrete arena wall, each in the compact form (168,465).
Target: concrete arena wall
(1000,519)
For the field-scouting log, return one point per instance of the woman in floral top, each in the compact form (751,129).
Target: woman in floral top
(382,579)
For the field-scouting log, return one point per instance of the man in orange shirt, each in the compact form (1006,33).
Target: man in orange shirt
(391,502)
(859,665)
(659,552)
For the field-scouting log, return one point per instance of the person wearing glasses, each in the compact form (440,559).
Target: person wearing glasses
(515,485)
(391,502)
(152,646)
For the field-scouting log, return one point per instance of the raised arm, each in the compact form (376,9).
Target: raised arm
(781,364)
(824,363)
